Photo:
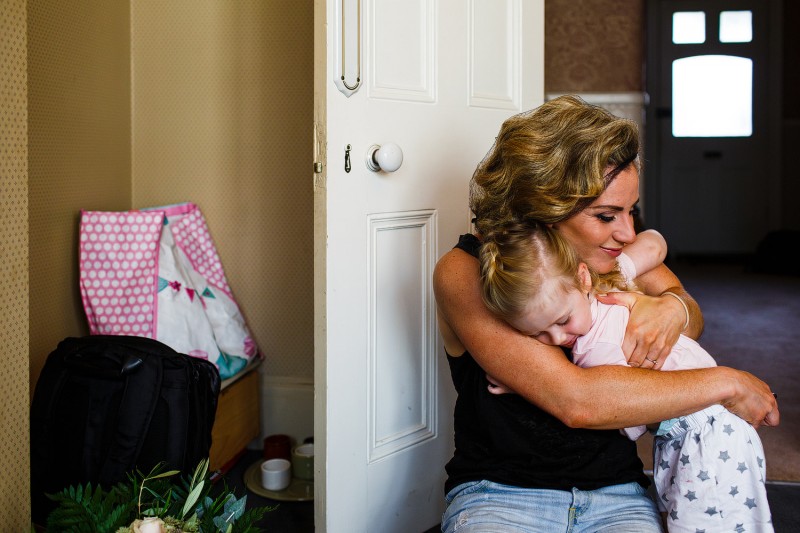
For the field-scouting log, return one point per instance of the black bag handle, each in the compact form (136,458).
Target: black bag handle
(101,363)
(111,356)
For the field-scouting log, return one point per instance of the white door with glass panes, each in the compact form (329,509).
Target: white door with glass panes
(436,78)
(709,170)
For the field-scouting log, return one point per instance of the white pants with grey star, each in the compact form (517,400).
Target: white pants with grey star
(709,473)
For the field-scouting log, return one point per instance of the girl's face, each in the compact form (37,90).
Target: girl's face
(599,232)
(555,316)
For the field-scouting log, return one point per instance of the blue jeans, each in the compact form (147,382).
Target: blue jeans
(484,506)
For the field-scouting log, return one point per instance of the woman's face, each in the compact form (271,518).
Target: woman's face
(602,229)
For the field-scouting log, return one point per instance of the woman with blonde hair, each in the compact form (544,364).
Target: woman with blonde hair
(551,458)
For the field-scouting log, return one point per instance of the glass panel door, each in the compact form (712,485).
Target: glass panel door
(707,144)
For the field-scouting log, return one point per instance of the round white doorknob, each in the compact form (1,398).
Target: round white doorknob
(387,157)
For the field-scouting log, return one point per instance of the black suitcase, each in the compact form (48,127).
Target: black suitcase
(105,405)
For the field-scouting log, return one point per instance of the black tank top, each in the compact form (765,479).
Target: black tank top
(505,439)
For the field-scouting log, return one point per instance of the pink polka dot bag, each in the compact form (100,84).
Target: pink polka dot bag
(156,273)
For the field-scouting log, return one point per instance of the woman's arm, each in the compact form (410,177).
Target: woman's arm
(600,397)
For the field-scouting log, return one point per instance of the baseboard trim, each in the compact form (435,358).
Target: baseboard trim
(649,473)
(783,483)
(287,407)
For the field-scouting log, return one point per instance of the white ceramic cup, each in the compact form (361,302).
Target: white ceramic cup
(276,474)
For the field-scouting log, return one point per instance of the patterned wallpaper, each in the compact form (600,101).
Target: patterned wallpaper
(79,150)
(222,116)
(594,46)
(14,447)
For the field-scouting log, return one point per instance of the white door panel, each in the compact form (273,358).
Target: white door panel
(439,77)
(401,57)
(401,355)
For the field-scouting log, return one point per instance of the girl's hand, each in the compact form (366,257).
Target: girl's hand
(495,387)
(653,329)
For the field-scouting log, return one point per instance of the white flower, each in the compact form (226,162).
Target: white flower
(148,525)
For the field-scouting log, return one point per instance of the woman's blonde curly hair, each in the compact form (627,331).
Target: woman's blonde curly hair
(548,164)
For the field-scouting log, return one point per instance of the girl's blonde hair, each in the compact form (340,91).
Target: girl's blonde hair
(550,163)
(515,264)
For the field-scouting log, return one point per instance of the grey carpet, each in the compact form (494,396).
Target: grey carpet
(753,324)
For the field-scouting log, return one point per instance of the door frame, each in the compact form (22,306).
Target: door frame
(652,177)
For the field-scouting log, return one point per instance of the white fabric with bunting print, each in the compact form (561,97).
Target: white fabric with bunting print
(156,273)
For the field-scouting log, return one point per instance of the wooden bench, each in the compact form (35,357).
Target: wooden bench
(238,418)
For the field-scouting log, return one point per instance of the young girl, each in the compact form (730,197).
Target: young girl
(709,466)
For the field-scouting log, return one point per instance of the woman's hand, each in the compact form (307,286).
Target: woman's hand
(653,329)
(752,400)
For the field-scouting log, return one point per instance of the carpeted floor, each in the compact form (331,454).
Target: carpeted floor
(753,324)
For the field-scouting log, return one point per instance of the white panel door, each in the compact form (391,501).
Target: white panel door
(438,77)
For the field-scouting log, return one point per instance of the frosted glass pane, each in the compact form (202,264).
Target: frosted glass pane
(712,96)
(688,27)
(736,26)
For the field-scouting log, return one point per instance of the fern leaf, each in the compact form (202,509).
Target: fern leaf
(91,510)
(119,516)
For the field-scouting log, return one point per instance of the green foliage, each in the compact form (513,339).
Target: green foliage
(226,514)
(84,509)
